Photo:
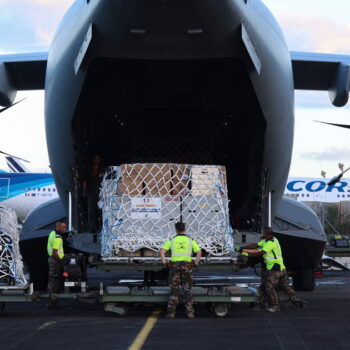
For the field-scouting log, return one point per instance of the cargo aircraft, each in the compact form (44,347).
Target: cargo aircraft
(180,81)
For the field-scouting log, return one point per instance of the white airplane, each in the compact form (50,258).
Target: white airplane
(306,189)
(23,191)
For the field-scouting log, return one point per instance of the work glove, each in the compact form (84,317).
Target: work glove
(298,302)
(239,249)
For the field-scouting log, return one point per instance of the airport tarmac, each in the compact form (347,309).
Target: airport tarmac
(324,324)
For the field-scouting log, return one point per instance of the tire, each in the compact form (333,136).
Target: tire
(304,280)
(118,309)
(221,309)
(124,310)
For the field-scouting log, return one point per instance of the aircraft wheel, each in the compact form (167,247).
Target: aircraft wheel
(118,309)
(124,310)
(221,309)
(304,280)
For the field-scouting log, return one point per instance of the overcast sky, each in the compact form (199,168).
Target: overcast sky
(309,25)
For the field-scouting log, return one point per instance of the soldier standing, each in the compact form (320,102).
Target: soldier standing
(274,272)
(56,255)
(181,268)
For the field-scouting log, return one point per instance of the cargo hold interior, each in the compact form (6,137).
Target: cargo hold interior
(185,111)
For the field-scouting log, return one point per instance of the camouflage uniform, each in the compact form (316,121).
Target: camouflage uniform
(275,279)
(55,276)
(181,274)
(262,299)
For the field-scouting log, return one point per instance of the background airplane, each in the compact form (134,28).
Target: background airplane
(23,191)
(16,166)
(308,189)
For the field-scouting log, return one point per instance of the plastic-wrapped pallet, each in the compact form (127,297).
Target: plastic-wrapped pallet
(11,266)
(141,203)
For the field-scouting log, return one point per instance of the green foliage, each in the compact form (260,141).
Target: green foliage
(340,222)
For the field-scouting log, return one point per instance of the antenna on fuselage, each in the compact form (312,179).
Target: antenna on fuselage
(13,104)
(9,155)
(337,125)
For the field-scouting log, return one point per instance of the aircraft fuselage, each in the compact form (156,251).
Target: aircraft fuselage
(150,76)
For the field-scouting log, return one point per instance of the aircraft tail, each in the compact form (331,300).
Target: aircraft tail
(15,165)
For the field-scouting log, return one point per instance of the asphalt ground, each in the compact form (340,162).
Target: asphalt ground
(324,324)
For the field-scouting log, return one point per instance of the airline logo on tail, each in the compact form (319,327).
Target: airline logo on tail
(15,165)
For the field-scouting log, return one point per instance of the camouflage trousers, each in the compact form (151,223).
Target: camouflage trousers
(262,299)
(270,280)
(55,276)
(181,275)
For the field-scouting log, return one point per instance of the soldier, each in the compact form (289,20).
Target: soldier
(56,256)
(181,268)
(263,298)
(274,272)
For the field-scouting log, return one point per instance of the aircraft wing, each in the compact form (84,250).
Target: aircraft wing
(21,72)
(323,72)
(312,71)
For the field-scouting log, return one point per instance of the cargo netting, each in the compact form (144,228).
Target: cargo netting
(11,265)
(142,202)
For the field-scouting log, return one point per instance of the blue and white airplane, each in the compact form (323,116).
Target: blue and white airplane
(306,189)
(23,191)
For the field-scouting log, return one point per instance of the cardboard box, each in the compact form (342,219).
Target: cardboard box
(157,179)
(150,253)
(180,184)
(131,180)
(204,179)
(145,179)
(124,253)
(129,186)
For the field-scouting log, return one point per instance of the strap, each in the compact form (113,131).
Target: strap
(273,252)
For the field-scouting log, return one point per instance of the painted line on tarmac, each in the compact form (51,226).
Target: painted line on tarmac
(31,335)
(45,325)
(145,331)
